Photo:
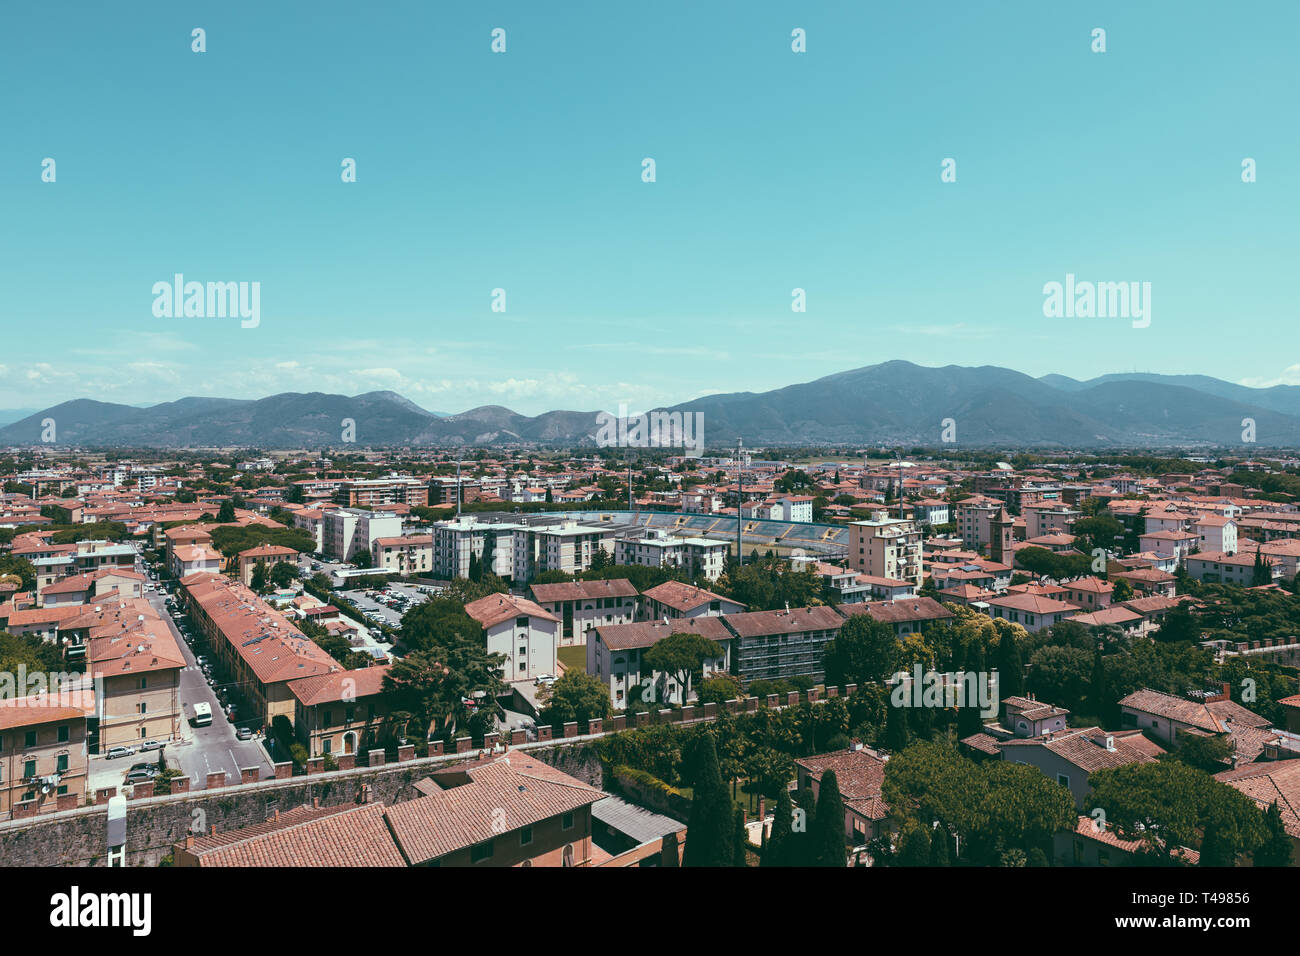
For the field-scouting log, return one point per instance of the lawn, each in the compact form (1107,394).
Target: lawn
(574,657)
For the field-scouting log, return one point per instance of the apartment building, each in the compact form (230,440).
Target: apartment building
(583,605)
(615,657)
(268,554)
(342,712)
(346,531)
(674,600)
(539,816)
(569,547)
(771,645)
(521,631)
(1215,567)
(405,555)
(257,645)
(1047,519)
(658,548)
(369,492)
(139,664)
(493,544)
(312,520)
(886,548)
(43,757)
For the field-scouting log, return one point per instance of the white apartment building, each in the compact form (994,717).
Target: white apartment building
(346,531)
(409,555)
(521,631)
(657,548)
(456,541)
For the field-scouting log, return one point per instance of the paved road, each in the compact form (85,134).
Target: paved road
(215,747)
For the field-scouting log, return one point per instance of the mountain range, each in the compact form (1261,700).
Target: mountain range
(893,402)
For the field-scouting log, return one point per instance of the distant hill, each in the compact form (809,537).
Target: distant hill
(894,402)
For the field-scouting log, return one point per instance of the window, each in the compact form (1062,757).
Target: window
(566,822)
(525,836)
(29,769)
(144,683)
(63,734)
(29,739)
(1063,779)
(62,763)
(477,854)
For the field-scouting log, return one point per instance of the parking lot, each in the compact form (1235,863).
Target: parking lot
(386,605)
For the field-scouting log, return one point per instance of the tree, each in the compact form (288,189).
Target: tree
(1208,753)
(258,581)
(897,733)
(1168,805)
(915,847)
(740,841)
(865,651)
(1060,674)
(719,688)
(1277,848)
(709,834)
(283,574)
(940,847)
(779,847)
(828,824)
(21,569)
(1262,573)
(1123,591)
(1011,668)
(362,558)
(680,655)
(576,696)
(1178,626)
(226,513)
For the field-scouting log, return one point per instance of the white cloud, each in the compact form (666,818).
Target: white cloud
(1289,376)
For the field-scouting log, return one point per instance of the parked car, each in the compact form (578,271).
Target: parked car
(244,733)
(115,752)
(141,776)
(151,745)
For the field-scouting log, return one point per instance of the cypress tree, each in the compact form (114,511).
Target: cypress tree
(777,848)
(828,847)
(709,830)
(897,733)
(1011,668)
(1277,849)
(940,848)
(740,841)
(969,721)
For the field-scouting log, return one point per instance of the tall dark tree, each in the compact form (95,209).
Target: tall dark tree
(740,841)
(828,825)
(940,847)
(915,848)
(1277,849)
(897,733)
(226,512)
(709,830)
(778,847)
(1011,668)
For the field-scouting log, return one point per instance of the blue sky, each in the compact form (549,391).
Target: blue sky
(522,171)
